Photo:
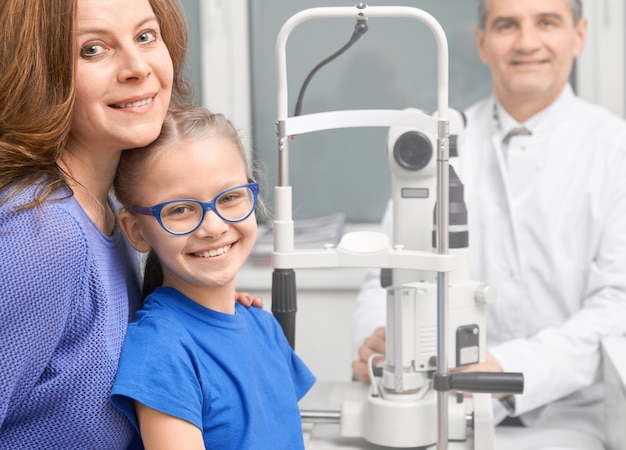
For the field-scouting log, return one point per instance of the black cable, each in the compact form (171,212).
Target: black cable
(359,30)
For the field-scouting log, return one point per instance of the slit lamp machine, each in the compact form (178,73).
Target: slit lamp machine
(435,312)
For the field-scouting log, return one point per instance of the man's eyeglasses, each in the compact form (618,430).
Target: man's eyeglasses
(184,216)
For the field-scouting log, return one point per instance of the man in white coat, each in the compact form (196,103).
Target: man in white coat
(547,219)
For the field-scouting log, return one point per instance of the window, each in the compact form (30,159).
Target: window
(393,66)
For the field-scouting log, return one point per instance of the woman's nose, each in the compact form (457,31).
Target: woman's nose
(133,65)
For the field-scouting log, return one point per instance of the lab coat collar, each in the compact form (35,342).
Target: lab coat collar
(504,121)
(539,123)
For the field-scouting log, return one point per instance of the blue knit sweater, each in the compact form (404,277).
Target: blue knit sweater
(64,309)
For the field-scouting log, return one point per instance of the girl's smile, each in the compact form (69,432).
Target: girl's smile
(214,252)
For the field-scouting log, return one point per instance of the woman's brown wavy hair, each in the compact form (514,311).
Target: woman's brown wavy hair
(38,55)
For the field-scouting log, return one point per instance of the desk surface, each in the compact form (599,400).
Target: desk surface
(330,396)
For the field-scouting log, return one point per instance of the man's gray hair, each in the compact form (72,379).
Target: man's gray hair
(577,11)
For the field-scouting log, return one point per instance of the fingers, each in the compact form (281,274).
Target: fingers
(372,345)
(492,363)
(359,368)
(489,365)
(257,301)
(246,300)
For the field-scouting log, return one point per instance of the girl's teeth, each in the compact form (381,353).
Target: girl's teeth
(214,252)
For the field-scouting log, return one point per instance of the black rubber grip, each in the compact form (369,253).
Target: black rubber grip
(284,302)
(490,382)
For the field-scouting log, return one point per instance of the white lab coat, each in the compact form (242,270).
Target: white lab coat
(548,230)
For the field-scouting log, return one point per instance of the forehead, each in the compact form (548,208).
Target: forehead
(527,8)
(199,153)
(96,14)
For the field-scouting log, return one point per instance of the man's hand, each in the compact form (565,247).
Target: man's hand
(489,365)
(246,300)
(373,344)
(376,344)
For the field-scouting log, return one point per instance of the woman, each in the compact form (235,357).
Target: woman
(80,80)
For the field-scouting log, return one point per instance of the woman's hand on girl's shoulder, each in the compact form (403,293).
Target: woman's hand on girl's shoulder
(247,300)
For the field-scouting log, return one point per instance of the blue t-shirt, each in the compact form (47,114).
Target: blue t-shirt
(234,376)
(64,307)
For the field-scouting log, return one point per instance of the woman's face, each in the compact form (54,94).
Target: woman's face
(124,76)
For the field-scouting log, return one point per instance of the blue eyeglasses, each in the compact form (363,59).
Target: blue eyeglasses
(184,216)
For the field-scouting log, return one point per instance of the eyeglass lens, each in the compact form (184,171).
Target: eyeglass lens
(185,215)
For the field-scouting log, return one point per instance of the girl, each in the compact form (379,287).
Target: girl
(197,370)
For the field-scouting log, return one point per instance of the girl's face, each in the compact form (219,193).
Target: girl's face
(124,75)
(198,169)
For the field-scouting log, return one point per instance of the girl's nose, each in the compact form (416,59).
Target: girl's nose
(212,225)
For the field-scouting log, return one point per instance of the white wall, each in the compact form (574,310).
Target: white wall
(601,69)
(225,61)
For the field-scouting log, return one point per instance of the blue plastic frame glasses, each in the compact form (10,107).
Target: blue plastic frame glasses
(229,205)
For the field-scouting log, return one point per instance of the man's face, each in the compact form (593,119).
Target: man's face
(530,47)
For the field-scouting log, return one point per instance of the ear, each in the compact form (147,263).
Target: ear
(132,230)
(581,37)
(480,44)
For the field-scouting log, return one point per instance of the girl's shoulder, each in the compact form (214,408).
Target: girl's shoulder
(256,313)
(264,321)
